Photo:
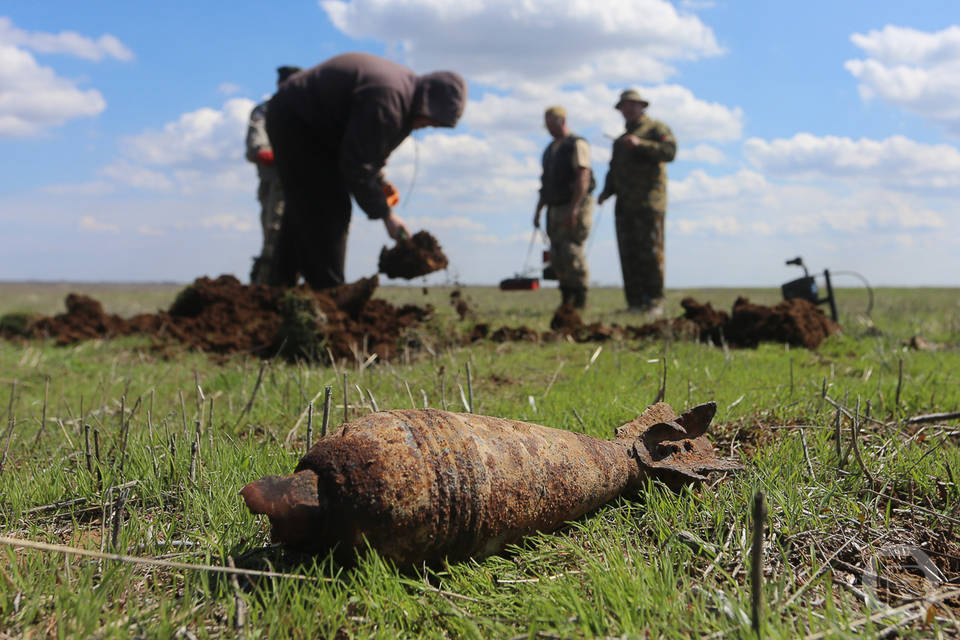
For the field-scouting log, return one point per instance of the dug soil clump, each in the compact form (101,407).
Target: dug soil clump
(224,316)
(412,257)
(796,322)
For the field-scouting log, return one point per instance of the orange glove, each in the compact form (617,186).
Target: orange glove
(391,193)
(265,157)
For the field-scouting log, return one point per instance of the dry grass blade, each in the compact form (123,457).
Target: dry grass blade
(921,605)
(169,564)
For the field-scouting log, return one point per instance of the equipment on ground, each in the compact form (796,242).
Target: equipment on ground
(523,281)
(519,283)
(806,288)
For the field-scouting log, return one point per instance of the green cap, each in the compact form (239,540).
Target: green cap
(630,95)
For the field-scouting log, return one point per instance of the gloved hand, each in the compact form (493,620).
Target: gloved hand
(391,193)
(265,157)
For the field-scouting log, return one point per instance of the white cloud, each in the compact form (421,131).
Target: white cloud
(202,135)
(463,173)
(701,153)
(65,42)
(33,98)
(201,152)
(747,203)
(458,223)
(233,177)
(895,161)
(147,230)
(131,175)
(89,223)
(590,109)
(226,222)
(91,188)
(722,225)
(503,41)
(916,70)
(698,186)
(229,88)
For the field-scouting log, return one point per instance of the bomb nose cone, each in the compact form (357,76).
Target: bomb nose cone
(292,504)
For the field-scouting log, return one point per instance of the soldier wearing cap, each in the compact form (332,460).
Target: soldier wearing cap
(566,184)
(638,178)
(270,191)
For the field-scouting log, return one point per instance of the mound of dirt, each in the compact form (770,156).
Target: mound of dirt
(412,257)
(224,316)
(796,322)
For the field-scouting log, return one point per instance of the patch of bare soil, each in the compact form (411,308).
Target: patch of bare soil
(412,257)
(224,316)
(796,322)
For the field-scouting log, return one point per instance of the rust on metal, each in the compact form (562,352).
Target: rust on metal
(426,485)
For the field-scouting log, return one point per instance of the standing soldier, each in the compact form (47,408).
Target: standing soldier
(638,177)
(270,192)
(566,184)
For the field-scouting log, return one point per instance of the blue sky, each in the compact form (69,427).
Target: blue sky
(829,130)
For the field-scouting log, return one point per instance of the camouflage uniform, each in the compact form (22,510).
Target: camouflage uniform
(270,194)
(567,254)
(638,177)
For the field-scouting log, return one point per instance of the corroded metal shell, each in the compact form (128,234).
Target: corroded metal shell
(427,485)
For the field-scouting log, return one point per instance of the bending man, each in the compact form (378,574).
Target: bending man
(332,128)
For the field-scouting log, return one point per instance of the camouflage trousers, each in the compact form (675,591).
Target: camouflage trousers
(567,245)
(640,240)
(270,195)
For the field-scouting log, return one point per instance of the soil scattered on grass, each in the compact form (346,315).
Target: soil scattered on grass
(459,303)
(796,322)
(224,316)
(412,257)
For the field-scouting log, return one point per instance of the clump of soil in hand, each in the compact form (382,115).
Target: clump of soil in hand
(412,257)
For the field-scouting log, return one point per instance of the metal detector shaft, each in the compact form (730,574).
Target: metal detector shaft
(830,298)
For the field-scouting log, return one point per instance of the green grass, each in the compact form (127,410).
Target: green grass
(663,564)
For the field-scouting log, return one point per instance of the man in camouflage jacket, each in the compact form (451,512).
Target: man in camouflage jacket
(270,192)
(638,177)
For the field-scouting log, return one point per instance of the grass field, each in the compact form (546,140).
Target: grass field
(173,438)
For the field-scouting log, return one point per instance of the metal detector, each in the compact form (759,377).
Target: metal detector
(806,288)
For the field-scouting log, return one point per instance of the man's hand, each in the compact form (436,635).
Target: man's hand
(396,228)
(602,197)
(391,194)
(265,157)
(630,141)
(536,216)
